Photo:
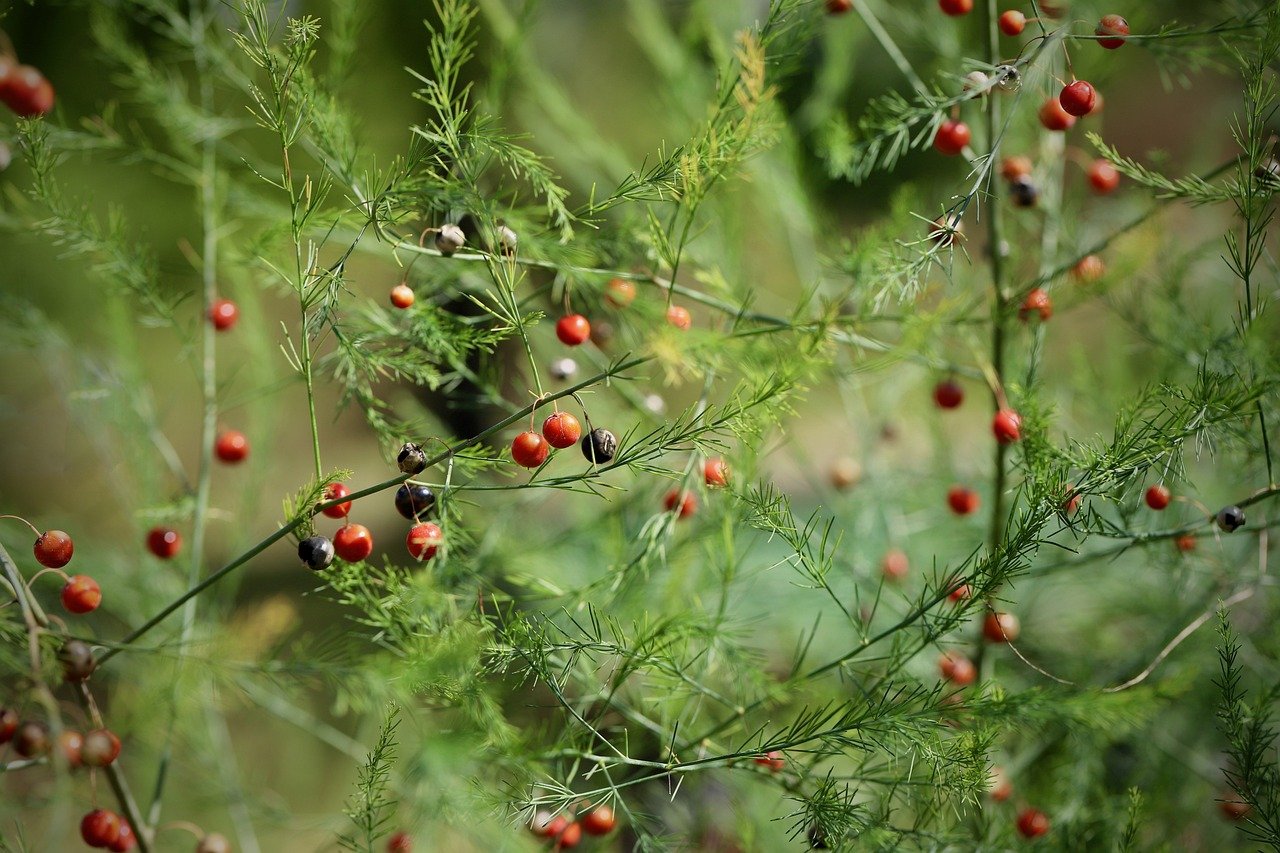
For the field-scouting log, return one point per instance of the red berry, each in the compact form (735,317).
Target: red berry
(1054,117)
(999,788)
(1032,823)
(1158,496)
(835,7)
(424,540)
(231,446)
(1016,167)
(1078,98)
(99,828)
(25,90)
(81,594)
(952,137)
(561,430)
(620,293)
(569,837)
(164,542)
(679,317)
(8,724)
(1186,542)
(960,593)
(333,492)
(948,394)
(1072,504)
(1001,627)
(401,842)
(682,502)
(54,549)
(402,296)
(70,742)
(1103,177)
(1037,302)
(353,542)
(223,313)
(547,825)
(772,759)
(125,841)
(956,7)
(573,329)
(894,566)
(957,669)
(1114,26)
(100,748)
(1007,426)
(715,473)
(961,500)
(1233,809)
(599,821)
(1012,22)
(530,449)
(1089,269)
(31,739)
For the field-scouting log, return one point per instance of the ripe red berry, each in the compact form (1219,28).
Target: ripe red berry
(1001,627)
(569,837)
(1012,22)
(1032,823)
(1072,504)
(424,540)
(1054,117)
(99,828)
(401,842)
(573,329)
(100,748)
(715,473)
(8,724)
(530,449)
(54,549)
(957,669)
(1037,302)
(81,594)
(1089,269)
(125,841)
(1016,167)
(772,759)
(599,821)
(1103,177)
(31,739)
(960,593)
(25,90)
(1158,496)
(401,296)
(164,542)
(1114,26)
(1078,98)
(835,7)
(1186,542)
(683,503)
(70,742)
(353,542)
(547,825)
(561,430)
(620,293)
(956,7)
(679,317)
(1233,809)
(894,565)
(999,788)
(952,137)
(333,492)
(231,446)
(948,394)
(223,313)
(961,500)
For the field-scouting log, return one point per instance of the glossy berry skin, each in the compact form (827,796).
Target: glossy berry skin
(1186,543)
(1054,117)
(449,239)
(164,542)
(400,842)
(1037,302)
(8,724)
(599,446)
(53,549)
(529,449)
(77,660)
(1158,496)
(31,739)
(333,492)
(125,841)
(960,593)
(424,540)
(835,7)
(25,90)
(414,500)
(99,828)
(1012,22)
(1115,27)
(948,394)
(1015,167)
(1024,193)
(316,553)
(81,594)
(620,293)
(894,565)
(1032,823)
(772,759)
(1234,809)
(956,8)
(411,459)
(961,500)
(70,742)
(684,504)
(1078,98)
(1089,269)
(547,825)
(573,329)
(231,447)
(402,297)
(1230,519)
(100,748)
(1001,627)
(715,473)
(599,821)
(952,137)
(223,314)
(214,842)
(1072,504)
(569,837)
(1103,177)
(561,430)
(957,669)
(353,542)
(679,317)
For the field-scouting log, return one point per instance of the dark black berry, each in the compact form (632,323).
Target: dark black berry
(1024,193)
(599,446)
(1230,518)
(77,660)
(817,838)
(411,459)
(316,553)
(414,500)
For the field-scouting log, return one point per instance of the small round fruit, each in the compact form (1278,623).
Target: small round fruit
(960,593)
(214,842)
(948,394)
(26,91)
(1089,269)
(1072,504)
(1054,117)
(402,297)
(424,540)
(70,743)
(1032,823)
(164,542)
(1012,22)
(547,825)
(599,821)
(1103,177)
(99,828)
(414,500)
(353,542)
(529,449)
(400,842)
(715,473)
(316,553)
(81,594)
(1230,518)
(952,137)
(1234,809)
(1158,496)
(1001,627)
(569,837)
(602,333)
(53,549)
(573,329)
(1024,193)
(1015,167)
(946,230)
(1078,98)
(679,317)
(1037,302)
(100,748)
(77,660)
(846,473)
(1186,543)
(961,500)
(835,7)
(411,459)
(599,446)
(957,669)
(999,788)
(684,504)
(508,240)
(1115,28)
(231,446)
(125,841)
(333,492)
(956,8)
(223,314)
(620,293)
(8,724)
(31,739)
(772,759)
(561,430)
(894,565)
(449,239)
(563,368)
